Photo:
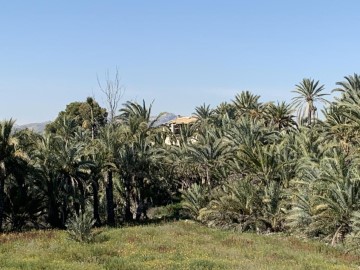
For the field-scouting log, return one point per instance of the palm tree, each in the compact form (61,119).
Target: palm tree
(235,205)
(64,127)
(349,103)
(135,156)
(350,85)
(210,153)
(327,196)
(98,159)
(247,104)
(262,163)
(300,216)
(280,116)
(64,170)
(338,128)
(204,113)
(179,161)
(109,145)
(46,164)
(138,167)
(225,109)
(339,194)
(194,198)
(308,93)
(248,133)
(137,117)
(7,153)
(91,102)
(273,205)
(24,203)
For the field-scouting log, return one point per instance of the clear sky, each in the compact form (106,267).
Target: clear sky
(179,53)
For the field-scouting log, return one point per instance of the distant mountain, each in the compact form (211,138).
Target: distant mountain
(164,118)
(36,127)
(40,127)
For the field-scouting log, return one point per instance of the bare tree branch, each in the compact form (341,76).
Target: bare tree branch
(113,91)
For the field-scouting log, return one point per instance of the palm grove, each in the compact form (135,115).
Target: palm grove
(244,165)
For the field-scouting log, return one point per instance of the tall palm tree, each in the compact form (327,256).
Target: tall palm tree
(46,164)
(109,144)
(134,157)
(91,102)
(7,153)
(73,170)
(138,167)
(64,171)
(98,158)
(308,93)
(24,203)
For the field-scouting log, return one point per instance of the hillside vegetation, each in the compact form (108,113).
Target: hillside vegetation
(180,245)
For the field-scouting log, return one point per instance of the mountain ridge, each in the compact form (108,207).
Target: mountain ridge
(36,127)
(40,127)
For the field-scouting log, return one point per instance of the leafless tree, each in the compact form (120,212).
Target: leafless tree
(113,90)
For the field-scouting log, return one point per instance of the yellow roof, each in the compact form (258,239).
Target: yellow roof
(184,120)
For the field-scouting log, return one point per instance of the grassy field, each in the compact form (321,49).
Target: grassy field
(179,245)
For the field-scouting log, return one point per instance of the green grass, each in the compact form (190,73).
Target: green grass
(179,245)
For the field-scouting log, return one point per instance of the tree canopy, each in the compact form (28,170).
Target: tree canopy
(88,115)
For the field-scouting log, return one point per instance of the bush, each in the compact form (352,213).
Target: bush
(194,199)
(79,227)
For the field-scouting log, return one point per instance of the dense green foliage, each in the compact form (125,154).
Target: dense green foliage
(89,115)
(244,165)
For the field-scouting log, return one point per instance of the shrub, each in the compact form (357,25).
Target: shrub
(79,227)
(194,199)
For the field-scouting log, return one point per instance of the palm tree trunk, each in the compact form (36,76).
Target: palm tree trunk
(53,217)
(92,131)
(110,199)
(310,115)
(64,213)
(53,214)
(128,214)
(2,185)
(95,187)
(82,196)
(140,208)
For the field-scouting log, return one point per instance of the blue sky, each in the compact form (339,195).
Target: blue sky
(178,53)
